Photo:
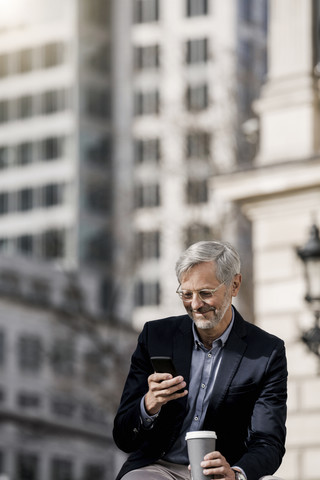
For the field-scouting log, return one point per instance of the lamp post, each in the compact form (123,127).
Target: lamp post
(310,255)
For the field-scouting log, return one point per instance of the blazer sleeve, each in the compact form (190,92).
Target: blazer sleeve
(267,431)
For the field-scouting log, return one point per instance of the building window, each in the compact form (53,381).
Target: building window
(148,195)
(53,101)
(27,467)
(28,400)
(4,111)
(197,7)
(52,148)
(197,98)
(99,59)
(2,347)
(98,103)
(25,199)
(146,103)
(97,12)
(4,157)
(4,65)
(52,195)
(53,244)
(99,151)
(148,245)
(94,471)
(24,61)
(146,11)
(63,357)
(146,57)
(98,197)
(25,244)
(30,353)
(197,191)
(25,107)
(196,233)
(4,203)
(197,51)
(61,469)
(63,407)
(98,247)
(53,54)
(24,153)
(147,293)
(147,151)
(198,145)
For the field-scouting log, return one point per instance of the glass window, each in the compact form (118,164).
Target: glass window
(148,245)
(197,98)
(53,244)
(4,111)
(94,471)
(24,153)
(99,59)
(27,467)
(53,101)
(147,293)
(146,57)
(147,150)
(4,203)
(25,199)
(197,51)
(28,400)
(97,12)
(52,195)
(52,148)
(148,195)
(24,61)
(99,151)
(197,191)
(25,106)
(98,197)
(61,469)
(2,347)
(30,353)
(198,145)
(146,103)
(98,247)
(25,244)
(53,54)
(197,232)
(146,11)
(4,65)
(98,103)
(4,157)
(197,7)
(63,357)
(63,407)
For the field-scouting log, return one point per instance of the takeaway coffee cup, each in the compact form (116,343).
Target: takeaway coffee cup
(199,444)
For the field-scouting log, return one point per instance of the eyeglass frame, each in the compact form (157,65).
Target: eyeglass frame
(198,292)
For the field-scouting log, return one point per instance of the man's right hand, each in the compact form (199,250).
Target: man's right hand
(162,389)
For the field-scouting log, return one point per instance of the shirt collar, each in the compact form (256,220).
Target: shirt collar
(220,340)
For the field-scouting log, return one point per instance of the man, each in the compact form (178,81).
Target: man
(233,376)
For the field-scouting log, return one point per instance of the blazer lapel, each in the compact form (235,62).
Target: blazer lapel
(232,354)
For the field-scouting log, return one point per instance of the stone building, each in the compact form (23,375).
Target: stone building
(280,195)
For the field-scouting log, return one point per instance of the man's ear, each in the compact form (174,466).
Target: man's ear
(236,282)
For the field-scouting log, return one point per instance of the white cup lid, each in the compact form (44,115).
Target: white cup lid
(201,434)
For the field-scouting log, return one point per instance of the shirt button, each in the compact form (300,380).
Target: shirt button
(209,355)
(203,385)
(196,418)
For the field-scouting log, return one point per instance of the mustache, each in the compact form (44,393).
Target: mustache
(204,310)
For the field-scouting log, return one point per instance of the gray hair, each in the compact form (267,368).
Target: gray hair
(226,259)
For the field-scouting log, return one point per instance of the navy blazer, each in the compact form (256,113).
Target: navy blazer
(247,409)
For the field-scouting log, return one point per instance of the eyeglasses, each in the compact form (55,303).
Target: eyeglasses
(204,294)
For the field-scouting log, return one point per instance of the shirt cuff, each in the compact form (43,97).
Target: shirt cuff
(147,420)
(235,467)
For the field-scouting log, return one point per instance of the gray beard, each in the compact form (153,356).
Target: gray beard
(218,316)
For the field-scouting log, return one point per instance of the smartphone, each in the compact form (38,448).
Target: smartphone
(165,365)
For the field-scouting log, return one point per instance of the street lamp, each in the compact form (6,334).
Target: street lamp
(310,255)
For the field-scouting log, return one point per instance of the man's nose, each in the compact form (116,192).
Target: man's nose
(196,301)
